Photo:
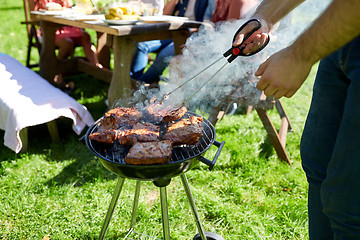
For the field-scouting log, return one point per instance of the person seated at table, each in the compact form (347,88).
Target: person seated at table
(226,10)
(192,9)
(209,11)
(67,38)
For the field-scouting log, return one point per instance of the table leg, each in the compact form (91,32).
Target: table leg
(48,59)
(102,50)
(120,89)
(179,39)
(273,135)
(24,139)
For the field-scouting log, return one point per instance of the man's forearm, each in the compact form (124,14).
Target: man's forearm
(339,24)
(274,10)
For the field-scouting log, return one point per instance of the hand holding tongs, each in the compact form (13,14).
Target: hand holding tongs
(231,53)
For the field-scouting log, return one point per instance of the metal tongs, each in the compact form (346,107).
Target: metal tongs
(229,55)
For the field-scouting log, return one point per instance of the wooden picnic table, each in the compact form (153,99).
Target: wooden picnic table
(122,39)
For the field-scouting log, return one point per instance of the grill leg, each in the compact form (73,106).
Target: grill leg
(135,205)
(111,208)
(193,207)
(164,213)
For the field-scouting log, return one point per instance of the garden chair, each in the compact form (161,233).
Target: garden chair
(31,29)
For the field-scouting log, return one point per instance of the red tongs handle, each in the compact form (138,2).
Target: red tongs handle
(234,52)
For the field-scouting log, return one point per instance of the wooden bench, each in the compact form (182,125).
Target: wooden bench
(26,99)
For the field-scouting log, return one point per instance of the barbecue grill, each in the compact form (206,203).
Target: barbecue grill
(183,159)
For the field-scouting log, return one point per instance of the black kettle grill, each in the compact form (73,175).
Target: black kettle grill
(183,159)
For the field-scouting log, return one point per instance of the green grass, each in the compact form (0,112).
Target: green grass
(62,190)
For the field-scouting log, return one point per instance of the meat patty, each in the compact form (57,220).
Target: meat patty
(186,131)
(107,136)
(174,114)
(125,114)
(156,112)
(127,134)
(140,132)
(148,153)
(118,117)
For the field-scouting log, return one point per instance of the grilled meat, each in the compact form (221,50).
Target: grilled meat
(142,132)
(156,112)
(147,153)
(107,136)
(125,114)
(146,132)
(185,131)
(127,134)
(118,117)
(174,114)
(125,138)
(123,124)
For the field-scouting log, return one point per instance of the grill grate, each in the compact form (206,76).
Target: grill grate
(116,153)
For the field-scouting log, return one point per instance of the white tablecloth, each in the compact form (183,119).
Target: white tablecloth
(26,99)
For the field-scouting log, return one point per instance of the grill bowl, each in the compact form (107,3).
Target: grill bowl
(183,158)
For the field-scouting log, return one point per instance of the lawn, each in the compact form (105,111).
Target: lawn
(62,191)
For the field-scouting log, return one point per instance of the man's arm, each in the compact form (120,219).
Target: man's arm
(284,72)
(272,11)
(338,25)
(268,13)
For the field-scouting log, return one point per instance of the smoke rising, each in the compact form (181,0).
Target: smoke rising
(209,44)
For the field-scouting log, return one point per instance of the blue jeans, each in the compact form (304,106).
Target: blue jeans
(164,48)
(330,147)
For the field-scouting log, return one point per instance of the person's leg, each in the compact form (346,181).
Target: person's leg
(319,223)
(66,47)
(103,51)
(162,60)
(319,138)
(340,190)
(89,48)
(140,59)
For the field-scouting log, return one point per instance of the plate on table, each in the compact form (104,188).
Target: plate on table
(94,17)
(163,18)
(121,22)
(55,12)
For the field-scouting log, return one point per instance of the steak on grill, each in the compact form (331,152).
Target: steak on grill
(185,131)
(131,127)
(125,113)
(128,134)
(107,136)
(142,132)
(174,114)
(110,129)
(148,153)
(156,112)
(118,117)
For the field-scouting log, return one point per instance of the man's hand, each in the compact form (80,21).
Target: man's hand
(282,74)
(256,40)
